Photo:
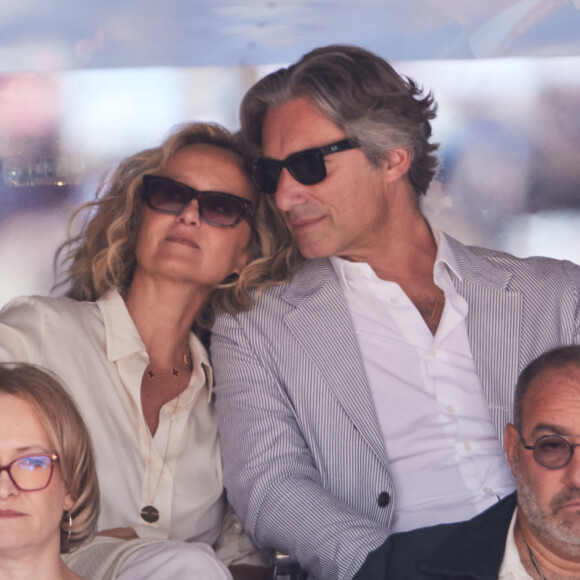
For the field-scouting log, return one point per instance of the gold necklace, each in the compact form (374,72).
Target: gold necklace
(435,310)
(150,513)
(174,372)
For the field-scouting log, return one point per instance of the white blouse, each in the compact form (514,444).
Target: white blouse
(96,350)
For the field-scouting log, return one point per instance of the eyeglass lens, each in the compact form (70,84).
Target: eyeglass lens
(553,451)
(31,473)
(215,208)
(307,167)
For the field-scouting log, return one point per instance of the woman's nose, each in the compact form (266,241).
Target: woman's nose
(190,213)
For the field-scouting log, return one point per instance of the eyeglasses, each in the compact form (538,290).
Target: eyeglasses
(216,208)
(551,451)
(307,167)
(32,472)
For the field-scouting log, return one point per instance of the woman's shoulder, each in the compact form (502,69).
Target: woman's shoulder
(32,307)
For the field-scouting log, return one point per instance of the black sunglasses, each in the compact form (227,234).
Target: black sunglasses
(216,208)
(551,451)
(307,167)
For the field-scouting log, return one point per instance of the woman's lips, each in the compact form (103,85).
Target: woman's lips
(10,514)
(184,241)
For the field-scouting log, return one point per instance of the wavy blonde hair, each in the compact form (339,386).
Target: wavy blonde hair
(102,256)
(69,436)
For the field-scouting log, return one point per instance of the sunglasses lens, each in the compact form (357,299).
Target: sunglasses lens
(307,167)
(552,452)
(221,209)
(166,196)
(265,174)
(31,473)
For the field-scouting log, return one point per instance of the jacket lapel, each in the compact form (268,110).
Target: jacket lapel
(493,327)
(321,323)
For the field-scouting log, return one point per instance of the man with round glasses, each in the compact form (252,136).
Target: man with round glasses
(532,534)
(369,394)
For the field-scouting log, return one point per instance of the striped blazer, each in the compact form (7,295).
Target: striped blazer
(304,461)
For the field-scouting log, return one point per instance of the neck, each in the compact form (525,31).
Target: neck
(543,557)
(35,565)
(163,316)
(405,251)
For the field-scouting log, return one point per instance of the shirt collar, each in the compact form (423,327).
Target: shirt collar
(123,340)
(511,566)
(347,270)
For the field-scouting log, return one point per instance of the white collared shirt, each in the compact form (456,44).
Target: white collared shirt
(95,348)
(511,567)
(444,455)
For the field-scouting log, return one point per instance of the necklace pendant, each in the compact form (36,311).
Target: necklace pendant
(150,514)
(174,372)
(150,374)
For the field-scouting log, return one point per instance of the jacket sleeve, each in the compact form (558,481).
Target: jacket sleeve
(269,472)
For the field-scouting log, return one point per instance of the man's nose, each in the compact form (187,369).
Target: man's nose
(290,192)
(572,474)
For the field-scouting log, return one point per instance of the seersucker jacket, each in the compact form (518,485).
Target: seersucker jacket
(304,461)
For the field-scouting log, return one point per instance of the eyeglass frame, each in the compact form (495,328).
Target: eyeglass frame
(248,205)
(320,152)
(532,448)
(53,459)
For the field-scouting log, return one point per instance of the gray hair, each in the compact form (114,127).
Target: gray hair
(363,95)
(557,358)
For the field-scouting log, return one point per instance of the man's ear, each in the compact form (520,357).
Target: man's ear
(396,163)
(511,440)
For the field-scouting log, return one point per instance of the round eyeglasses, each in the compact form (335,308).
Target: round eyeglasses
(31,472)
(551,451)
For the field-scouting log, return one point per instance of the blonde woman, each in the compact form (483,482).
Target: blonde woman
(177,232)
(49,497)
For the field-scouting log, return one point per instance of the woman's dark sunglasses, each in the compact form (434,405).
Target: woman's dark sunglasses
(216,208)
(306,167)
(551,451)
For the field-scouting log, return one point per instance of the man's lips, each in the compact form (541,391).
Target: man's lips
(301,224)
(183,240)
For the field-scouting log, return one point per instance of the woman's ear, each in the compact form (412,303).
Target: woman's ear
(69,502)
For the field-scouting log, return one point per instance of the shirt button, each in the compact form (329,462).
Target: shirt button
(487,490)
(432,353)
(395,301)
(467,446)
(383,499)
(450,409)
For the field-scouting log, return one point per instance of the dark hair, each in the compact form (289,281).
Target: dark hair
(363,95)
(556,358)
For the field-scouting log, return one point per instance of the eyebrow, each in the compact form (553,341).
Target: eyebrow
(557,429)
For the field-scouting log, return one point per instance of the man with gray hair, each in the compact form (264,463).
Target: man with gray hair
(532,534)
(370,392)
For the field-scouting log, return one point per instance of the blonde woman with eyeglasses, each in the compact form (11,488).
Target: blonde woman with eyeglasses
(49,497)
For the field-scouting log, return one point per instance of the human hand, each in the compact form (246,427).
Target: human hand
(121,533)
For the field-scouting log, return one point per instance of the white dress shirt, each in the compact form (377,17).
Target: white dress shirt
(444,455)
(511,567)
(95,348)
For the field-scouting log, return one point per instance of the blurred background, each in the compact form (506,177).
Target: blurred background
(83,84)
